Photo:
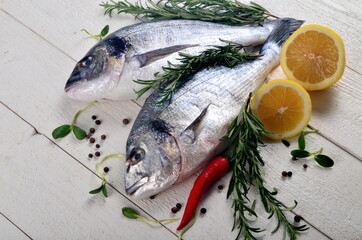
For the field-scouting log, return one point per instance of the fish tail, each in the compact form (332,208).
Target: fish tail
(281,32)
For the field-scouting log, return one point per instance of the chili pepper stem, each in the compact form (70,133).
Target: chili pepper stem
(80,111)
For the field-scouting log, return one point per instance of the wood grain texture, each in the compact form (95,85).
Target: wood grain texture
(32,76)
(10,231)
(63,31)
(46,192)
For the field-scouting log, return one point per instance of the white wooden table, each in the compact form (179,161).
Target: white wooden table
(44,183)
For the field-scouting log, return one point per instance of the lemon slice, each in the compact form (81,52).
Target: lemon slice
(284,108)
(314,57)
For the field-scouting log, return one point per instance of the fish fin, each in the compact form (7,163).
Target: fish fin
(154,55)
(191,129)
(282,30)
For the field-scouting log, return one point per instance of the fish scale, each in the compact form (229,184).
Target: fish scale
(192,124)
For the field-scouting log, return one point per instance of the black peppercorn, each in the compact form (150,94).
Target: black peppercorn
(94,117)
(286,143)
(178,205)
(220,187)
(297,218)
(290,174)
(98,146)
(97,154)
(284,173)
(90,155)
(92,140)
(174,210)
(106,169)
(125,121)
(203,210)
(103,137)
(92,130)
(305,165)
(98,122)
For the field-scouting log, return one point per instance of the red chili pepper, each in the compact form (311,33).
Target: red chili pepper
(217,168)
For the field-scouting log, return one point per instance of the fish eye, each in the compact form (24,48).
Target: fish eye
(87,62)
(138,154)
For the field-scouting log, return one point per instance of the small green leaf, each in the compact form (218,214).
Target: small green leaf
(104,190)
(129,213)
(301,141)
(97,190)
(105,31)
(324,160)
(61,131)
(300,153)
(79,133)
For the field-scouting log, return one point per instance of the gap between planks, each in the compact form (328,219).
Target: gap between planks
(36,132)
(90,170)
(21,230)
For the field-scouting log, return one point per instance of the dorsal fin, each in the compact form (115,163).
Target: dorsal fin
(151,56)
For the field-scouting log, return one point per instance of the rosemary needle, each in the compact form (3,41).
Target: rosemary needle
(175,75)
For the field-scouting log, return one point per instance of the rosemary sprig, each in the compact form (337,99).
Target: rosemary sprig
(245,134)
(175,75)
(221,11)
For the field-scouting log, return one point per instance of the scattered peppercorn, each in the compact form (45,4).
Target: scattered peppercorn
(88,136)
(284,173)
(297,218)
(90,155)
(94,117)
(294,158)
(92,130)
(106,169)
(178,205)
(97,154)
(125,121)
(305,165)
(152,197)
(98,146)
(98,122)
(103,137)
(203,210)
(92,140)
(220,187)
(174,210)
(286,143)
(290,174)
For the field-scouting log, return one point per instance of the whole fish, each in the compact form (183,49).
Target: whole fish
(168,143)
(138,51)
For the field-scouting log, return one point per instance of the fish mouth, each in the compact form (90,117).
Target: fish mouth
(136,186)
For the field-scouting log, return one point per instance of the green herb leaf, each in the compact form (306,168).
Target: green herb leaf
(300,153)
(221,11)
(301,141)
(61,131)
(324,160)
(79,133)
(97,190)
(129,213)
(175,75)
(104,190)
(105,31)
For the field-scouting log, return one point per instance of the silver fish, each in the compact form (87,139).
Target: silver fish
(138,51)
(168,143)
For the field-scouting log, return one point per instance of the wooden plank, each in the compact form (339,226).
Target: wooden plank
(334,108)
(10,231)
(45,192)
(40,101)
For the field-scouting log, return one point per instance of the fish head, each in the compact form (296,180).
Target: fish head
(98,73)
(153,160)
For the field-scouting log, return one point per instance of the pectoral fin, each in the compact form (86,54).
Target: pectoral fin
(190,131)
(154,55)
